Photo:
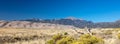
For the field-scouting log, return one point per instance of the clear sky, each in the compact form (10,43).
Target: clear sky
(92,10)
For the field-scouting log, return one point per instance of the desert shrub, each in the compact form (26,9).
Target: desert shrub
(51,41)
(60,39)
(118,36)
(66,40)
(84,39)
(57,37)
(65,33)
(88,39)
(108,32)
(94,33)
(54,39)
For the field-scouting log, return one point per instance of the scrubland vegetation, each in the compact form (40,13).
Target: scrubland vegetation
(59,36)
(84,39)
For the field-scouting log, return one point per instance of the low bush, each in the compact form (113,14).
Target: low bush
(88,39)
(66,39)
(118,36)
(108,32)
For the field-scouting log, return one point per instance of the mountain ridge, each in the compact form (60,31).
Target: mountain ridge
(65,21)
(80,23)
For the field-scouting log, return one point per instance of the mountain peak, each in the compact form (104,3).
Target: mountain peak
(73,18)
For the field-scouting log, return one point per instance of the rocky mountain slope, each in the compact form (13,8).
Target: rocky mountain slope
(57,23)
(66,21)
(28,24)
(78,23)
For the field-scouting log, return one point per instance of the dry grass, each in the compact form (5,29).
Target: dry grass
(40,36)
(29,36)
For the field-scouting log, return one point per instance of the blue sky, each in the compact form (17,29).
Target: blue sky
(92,10)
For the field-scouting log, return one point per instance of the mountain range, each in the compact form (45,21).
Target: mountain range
(79,23)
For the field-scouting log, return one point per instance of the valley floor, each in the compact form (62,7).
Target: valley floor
(40,36)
